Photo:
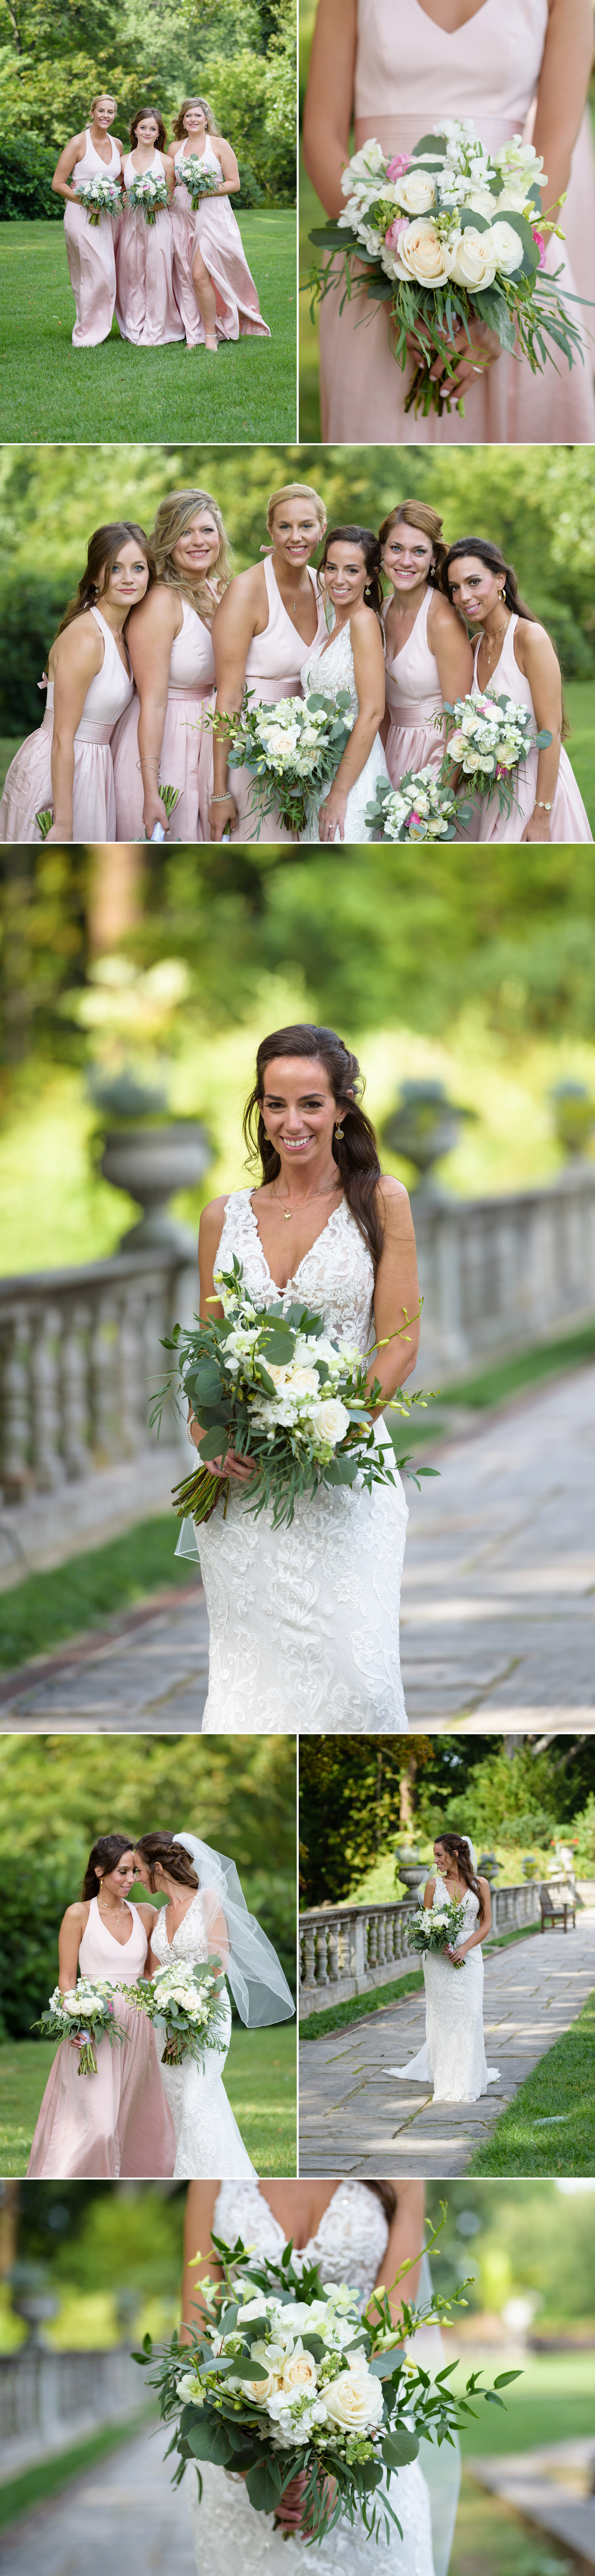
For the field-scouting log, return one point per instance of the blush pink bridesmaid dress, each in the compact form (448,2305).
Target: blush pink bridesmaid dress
(214,226)
(409,75)
(28,783)
(568,820)
(90,251)
(146,309)
(272,671)
(117,2123)
(186,753)
(413,697)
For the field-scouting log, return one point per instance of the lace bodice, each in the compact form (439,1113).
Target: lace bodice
(190,1940)
(336,1275)
(350,2242)
(330,667)
(469,1902)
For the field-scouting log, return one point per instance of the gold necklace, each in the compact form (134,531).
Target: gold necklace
(498,631)
(316,1194)
(112,1909)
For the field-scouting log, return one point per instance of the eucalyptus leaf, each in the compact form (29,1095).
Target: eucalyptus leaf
(264,2484)
(398,2448)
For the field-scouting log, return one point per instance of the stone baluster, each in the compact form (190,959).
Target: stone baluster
(74,1392)
(309,1977)
(333,1950)
(45,1400)
(157,1364)
(321,1966)
(343,1948)
(381,1939)
(15,1407)
(372,1944)
(103,1371)
(130,1376)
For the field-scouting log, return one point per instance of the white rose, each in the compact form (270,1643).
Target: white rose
(364,166)
(422,255)
(457,745)
(480,201)
(260,2390)
(473,260)
(304,1381)
(354,2401)
(330,1419)
(299,2373)
(474,760)
(470,726)
(513,199)
(508,247)
(415,193)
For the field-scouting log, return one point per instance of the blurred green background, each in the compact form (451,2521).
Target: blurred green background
(515,1798)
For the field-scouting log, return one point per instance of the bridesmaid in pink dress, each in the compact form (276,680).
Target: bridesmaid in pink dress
(269,617)
(401,66)
(169,641)
(215,292)
(66,767)
(428,654)
(547,805)
(146,309)
(115,2124)
(90,248)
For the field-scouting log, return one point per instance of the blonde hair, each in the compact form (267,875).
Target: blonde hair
(296,492)
(210,120)
(102,93)
(172,519)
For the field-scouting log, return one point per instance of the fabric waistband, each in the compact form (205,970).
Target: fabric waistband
(400,133)
(415,712)
(197,689)
(87,731)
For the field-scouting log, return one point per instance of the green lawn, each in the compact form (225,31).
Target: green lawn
(493,1385)
(260,2079)
(551,2402)
(39,1613)
(489,2536)
(561,2091)
(247,392)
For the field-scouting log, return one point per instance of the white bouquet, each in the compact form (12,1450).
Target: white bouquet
(198,177)
(436,1928)
(99,197)
(185,2002)
(292,750)
(492,737)
(421,808)
(146,194)
(287,2376)
(86,2013)
(449,235)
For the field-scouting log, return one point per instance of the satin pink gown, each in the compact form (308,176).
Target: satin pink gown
(568,820)
(186,753)
(214,227)
(90,251)
(409,75)
(146,309)
(272,671)
(115,2124)
(413,697)
(28,783)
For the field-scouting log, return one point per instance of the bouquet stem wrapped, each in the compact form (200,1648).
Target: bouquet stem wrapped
(200,181)
(146,195)
(87,2014)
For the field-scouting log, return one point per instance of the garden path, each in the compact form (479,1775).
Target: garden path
(124,2512)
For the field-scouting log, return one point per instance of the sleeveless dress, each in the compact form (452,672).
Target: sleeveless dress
(331,667)
(186,753)
(349,2245)
(213,229)
(90,251)
(146,309)
(568,820)
(115,2124)
(413,697)
(409,75)
(205,2130)
(272,672)
(304,1622)
(454,2057)
(28,783)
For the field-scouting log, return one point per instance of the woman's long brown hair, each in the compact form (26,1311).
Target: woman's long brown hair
(356,1152)
(102,554)
(108,1851)
(459,1851)
(160,1847)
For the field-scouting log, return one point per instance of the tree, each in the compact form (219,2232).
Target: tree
(350,1806)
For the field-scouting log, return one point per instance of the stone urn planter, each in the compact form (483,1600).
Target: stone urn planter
(152,1164)
(423,1128)
(409,1867)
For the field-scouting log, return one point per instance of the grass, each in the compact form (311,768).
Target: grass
(359,2007)
(119,392)
(37,2485)
(260,2080)
(45,1609)
(492,1386)
(551,2402)
(580,704)
(561,2089)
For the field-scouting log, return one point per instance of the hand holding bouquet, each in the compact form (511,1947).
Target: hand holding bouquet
(436,1928)
(186,2003)
(274,1386)
(85,2014)
(198,178)
(289,2377)
(421,808)
(492,736)
(292,750)
(448,236)
(99,197)
(146,194)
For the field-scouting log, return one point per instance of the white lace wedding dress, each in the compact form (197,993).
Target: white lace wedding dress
(334,672)
(454,2057)
(350,2246)
(304,1622)
(207,2136)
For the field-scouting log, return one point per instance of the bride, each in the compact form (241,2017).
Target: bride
(454,2055)
(349,572)
(360,2233)
(205,1916)
(304,1621)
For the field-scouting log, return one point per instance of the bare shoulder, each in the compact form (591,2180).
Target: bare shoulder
(82,640)
(441,613)
(393,1203)
(484,1884)
(363,620)
(148,1915)
(160,608)
(212,1217)
(77,1914)
(532,640)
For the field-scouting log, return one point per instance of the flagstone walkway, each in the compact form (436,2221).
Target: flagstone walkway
(123,2513)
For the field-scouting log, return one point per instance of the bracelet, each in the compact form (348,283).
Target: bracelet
(541,807)
(223,800)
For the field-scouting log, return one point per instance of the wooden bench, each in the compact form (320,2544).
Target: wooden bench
(559,1911)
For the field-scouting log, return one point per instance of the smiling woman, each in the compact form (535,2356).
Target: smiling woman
(115,2122)
(61,785)
(92,157)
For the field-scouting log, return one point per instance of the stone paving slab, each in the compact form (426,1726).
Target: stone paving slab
(152,1681)
(539,2484)
(360,2117)
(498,1598)
(123,2513)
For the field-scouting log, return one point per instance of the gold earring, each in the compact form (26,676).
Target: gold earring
(339,1134)
(502,594)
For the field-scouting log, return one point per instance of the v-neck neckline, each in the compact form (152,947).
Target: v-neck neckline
(449,33)
(187,1910)
(282,1292)
(391,666)
(308,648)
(112,1936)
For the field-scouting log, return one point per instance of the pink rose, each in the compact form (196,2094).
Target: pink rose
(414,818)
(396,169)
(540,246)
(400,224)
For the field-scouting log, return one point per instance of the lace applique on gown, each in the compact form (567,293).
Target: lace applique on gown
(335,671)
(304,1622)
(454,2057)
(207,2135)
(350,2244)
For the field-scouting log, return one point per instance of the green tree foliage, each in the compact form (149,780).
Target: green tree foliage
(350,1800)
(59,1794)
(54,58)
(94,2237)
(350,1804)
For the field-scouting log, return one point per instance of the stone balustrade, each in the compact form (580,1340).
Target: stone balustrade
(347,1950)
(80,1357)
(498,1273)
(48,2399)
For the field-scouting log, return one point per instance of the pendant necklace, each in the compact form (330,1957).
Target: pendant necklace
(317,1194)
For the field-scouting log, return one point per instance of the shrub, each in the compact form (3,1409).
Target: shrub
(30,611)
(26,169)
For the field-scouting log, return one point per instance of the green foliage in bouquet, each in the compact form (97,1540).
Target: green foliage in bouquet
(291,750)
(184,2002)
